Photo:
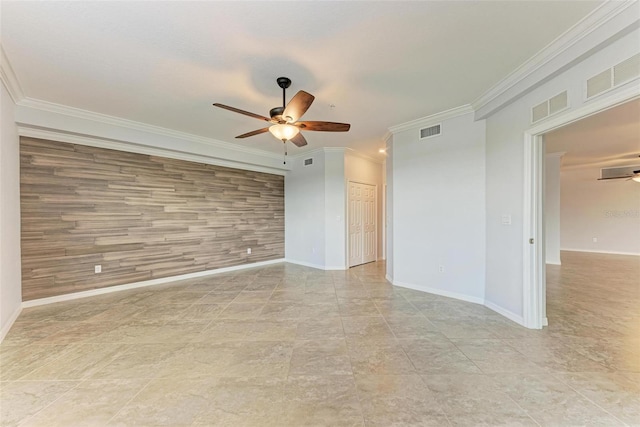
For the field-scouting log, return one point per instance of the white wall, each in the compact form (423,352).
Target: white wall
(10,277)
(335,208)
(504,161)
(607,210)
(360,169)
(552,207)
(439,209)
(304,211)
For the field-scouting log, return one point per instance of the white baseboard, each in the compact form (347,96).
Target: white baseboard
(600,252)
(440,292)
(389,278)
(545,321)
(552,263)
(152,282)
(316,266)
(5,329)
(504,312)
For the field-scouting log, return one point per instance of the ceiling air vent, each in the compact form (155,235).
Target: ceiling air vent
(308,162)
(550,107)
(430,132)
(615,76)
(618,172)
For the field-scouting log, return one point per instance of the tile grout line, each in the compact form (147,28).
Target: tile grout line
(585,397)
(130,400)
(353,374)
(53,401)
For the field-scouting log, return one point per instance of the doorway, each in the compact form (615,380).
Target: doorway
(363,227)
(534,260)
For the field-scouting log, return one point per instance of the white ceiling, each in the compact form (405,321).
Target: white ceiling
(610,138)
(380,63)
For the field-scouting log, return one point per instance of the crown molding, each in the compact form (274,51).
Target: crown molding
(333,149)
(433,119)
(556,154)
(92,141)
(386,137)
(9,78)
(138,126)
(590,23)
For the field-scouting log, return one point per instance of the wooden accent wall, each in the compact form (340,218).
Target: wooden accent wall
(140,217)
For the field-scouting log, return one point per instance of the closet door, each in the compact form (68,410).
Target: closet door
(355,224)
(362,223)
(369,244)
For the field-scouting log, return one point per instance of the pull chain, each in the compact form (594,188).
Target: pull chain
(284,142)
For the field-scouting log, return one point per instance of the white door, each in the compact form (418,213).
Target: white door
(355,224)
(369,245)
(362,223)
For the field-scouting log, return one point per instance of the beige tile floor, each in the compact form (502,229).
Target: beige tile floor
(286,345)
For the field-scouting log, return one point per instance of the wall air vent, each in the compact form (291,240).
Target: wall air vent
(558,103)
(540,111)
(626,70)
(550,107)
(619,74)
(430,132)
(308,162)
(599,83)
(618,172)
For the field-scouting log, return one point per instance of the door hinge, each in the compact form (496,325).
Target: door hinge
(531,241)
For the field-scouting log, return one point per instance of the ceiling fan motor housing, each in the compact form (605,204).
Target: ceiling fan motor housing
(276,114)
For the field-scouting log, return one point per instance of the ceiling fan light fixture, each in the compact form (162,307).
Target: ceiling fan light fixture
(284,132)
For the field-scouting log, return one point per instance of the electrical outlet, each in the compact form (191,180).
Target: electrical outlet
(441,268)
(595,240)
(248,251)
(97,269)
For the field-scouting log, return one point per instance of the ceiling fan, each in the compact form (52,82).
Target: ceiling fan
(285,124)
(633,175)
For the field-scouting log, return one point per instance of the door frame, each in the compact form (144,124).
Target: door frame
(534,266)
(375,206)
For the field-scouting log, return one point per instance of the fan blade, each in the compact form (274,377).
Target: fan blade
(324,126)
(246,113)
(299,140)
(255,132)
(298,105)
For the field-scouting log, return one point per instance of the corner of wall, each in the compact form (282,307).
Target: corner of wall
(7,324)
(10,266)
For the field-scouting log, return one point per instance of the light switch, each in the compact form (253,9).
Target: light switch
(506,219)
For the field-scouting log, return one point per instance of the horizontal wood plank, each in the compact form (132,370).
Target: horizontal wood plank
(138,216)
